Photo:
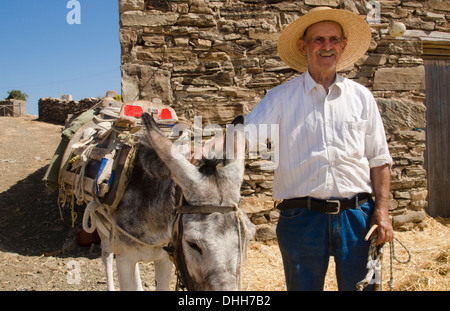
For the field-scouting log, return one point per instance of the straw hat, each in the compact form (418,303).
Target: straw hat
(356,30)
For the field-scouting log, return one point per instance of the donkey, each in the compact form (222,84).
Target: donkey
(211,243)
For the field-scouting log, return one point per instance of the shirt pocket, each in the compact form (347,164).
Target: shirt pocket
(354,134)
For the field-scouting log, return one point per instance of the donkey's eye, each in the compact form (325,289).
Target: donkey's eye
(194,246)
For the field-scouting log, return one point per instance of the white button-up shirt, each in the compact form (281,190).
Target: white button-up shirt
(327,142)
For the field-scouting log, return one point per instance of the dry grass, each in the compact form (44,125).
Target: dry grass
(263,270)
(428,270)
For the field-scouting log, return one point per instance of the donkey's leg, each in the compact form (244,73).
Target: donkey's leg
(128,272)
(108,261)
(163,270)
(137,277)
(107,256)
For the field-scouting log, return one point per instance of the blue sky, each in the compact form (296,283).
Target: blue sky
(43,55)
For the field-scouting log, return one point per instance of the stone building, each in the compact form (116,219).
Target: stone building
(13,108)
(217,59)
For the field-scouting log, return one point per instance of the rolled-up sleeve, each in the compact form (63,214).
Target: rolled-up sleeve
(376,146)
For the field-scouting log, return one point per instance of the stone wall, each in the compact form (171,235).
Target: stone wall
(57,111)
(218,58)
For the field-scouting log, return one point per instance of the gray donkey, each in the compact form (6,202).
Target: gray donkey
(212,243)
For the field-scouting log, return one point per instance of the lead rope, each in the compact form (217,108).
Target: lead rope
(178,284)
(242,253)
(90,218)
(374,273)
(393,256)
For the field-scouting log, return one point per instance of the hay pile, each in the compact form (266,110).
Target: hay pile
(428,270)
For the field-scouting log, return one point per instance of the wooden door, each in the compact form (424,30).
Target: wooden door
(437,73)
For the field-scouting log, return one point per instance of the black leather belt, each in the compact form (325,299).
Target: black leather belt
(325,206)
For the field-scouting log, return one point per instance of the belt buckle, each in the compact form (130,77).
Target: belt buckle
(338,206)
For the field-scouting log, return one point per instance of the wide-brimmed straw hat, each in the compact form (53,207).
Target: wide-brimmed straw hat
(356,30)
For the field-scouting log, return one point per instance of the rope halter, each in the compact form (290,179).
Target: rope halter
(175,245)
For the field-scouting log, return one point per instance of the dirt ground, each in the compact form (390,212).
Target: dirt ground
(38,250)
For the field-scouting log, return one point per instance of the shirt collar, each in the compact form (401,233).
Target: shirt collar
(310,83)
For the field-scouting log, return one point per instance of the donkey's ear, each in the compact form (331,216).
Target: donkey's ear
(184,172)
(160,143)
(150,123)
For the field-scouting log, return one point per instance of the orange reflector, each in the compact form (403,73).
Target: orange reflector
(165,114)
(133,111)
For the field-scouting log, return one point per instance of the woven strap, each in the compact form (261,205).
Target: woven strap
(204,209)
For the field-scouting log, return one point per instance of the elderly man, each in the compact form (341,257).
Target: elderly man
(333,152)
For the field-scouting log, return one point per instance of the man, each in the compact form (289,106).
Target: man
(333,152)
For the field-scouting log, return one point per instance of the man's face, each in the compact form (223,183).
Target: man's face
(323,47)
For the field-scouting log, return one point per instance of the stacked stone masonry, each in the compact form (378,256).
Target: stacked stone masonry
(58,111)
(216,59)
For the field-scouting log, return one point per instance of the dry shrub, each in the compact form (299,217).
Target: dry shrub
(428,270)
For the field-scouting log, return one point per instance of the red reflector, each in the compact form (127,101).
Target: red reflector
(165,114)
(133,111)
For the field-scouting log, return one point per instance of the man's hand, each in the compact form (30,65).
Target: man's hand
(381,178)
(384,230)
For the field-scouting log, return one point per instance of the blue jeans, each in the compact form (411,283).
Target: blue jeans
(307,238)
